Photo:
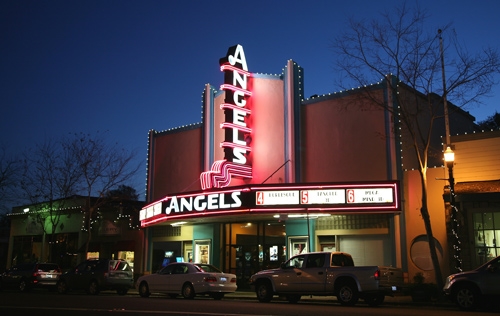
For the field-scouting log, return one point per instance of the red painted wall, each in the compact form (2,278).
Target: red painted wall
(175,163)
(343,139)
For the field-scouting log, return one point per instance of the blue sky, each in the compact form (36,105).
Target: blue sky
(131,66)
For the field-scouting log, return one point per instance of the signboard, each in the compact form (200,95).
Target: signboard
(292,198)
(237,131)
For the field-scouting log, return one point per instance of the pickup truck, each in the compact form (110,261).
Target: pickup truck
(327,274)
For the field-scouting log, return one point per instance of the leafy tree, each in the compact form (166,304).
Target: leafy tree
(491,122)
(398,44)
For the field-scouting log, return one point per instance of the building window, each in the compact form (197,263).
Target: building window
(486,236)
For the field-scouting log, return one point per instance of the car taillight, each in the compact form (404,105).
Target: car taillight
(233,280)
(210,279)
(377,275)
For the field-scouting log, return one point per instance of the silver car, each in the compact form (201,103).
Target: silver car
(188,280)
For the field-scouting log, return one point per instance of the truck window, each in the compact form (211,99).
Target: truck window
(315,260)
(296,262)
(342,260)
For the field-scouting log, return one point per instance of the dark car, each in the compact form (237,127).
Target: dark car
(470,289)
(95,275)
(26,276)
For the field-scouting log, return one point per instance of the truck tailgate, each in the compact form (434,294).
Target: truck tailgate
(391,278)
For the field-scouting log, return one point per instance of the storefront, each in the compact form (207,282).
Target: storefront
(249,228)
(60,234)
(267,175)
(477,196)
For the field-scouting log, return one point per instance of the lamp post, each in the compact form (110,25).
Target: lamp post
(449,158)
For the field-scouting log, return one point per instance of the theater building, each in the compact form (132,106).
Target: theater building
(269,173)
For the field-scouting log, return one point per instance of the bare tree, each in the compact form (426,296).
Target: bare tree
(103,165)
(49,177)
(399,44)
(9,168)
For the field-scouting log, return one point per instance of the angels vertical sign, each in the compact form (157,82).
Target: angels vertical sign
(237,131)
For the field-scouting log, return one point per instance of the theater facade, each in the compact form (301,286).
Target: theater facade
(268,174)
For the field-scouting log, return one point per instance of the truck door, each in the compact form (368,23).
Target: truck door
(314,274)
(290,278)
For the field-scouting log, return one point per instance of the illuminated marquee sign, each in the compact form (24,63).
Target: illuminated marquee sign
(236,129)
(277,197)
(368,195)
(291,198)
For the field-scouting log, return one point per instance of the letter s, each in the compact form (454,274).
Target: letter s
(236,198)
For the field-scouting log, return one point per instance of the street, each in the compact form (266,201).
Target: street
(76,304)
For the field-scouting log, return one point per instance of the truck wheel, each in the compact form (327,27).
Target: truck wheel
(293,298)
(348,294)
(264,292)
(375,299)
(466,298)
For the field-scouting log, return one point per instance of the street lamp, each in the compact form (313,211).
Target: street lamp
(449,158)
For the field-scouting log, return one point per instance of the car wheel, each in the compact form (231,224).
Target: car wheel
(466,298)
(264,292)
(122,291)
(23,286)
(93,288)
(348,294)
(144,289)
(293,299)
(217,296)
(62,287)
(188,291)
(375,300)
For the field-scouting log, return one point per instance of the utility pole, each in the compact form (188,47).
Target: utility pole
(445,102)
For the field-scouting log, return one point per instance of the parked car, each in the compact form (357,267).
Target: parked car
(97,275)
(470,289)
(26,276)
(188,280)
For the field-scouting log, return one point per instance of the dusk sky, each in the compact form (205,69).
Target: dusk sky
(131,66)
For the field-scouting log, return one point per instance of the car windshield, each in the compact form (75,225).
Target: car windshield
(207,268)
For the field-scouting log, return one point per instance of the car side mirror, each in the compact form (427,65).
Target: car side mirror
(283,265)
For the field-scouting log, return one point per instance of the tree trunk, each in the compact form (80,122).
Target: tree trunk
(424,211)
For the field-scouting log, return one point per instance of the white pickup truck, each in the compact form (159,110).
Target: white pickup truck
(327,274)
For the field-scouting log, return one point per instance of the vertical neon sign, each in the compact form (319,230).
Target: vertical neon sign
(236,129)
